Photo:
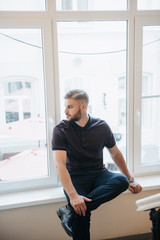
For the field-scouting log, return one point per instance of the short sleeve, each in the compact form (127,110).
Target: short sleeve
(58,139)
(110,142)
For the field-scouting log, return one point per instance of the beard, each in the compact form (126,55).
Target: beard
(76,117)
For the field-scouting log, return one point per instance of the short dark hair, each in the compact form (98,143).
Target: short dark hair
(77,95)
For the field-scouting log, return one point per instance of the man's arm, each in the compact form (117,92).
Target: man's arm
(77,201)
(121,164)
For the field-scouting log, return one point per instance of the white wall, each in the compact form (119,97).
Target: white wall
(113,219)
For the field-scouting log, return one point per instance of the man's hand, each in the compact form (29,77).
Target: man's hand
(134,187)
(78,203)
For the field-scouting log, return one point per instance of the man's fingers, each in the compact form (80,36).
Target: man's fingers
(135,188)
(77,210)
(79,205)
(87,199)
(80,209)
(138,188)
(132,190)
(84,211)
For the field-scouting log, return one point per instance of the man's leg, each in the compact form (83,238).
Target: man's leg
(100,186)
(107,186)
(81,225)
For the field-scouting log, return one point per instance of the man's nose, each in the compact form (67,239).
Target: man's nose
(66,110)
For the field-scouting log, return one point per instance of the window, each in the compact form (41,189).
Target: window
(92,56)
(149,91)
(23,102)
(151,98)
(111,49)
(91,5)
(24,148)
(148,4)
(22,5)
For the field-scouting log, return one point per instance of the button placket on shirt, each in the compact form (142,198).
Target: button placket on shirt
(83,138)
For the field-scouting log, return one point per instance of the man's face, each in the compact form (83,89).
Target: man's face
(72,110)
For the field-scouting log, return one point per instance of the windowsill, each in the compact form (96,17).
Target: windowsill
(54,195)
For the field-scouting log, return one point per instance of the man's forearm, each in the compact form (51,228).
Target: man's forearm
(66,181)
(60,160)
(121,164)
(119,161)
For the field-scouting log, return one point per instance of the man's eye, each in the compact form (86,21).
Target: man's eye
(70,107)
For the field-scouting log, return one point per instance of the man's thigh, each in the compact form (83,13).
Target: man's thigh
(82,181)
(109,178)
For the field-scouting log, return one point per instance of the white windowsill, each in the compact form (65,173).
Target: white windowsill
(53,195)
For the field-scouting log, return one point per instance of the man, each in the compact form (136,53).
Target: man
(78,144)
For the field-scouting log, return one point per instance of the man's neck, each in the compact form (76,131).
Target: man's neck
(83,121)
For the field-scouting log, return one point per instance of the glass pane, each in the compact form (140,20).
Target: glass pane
(151,96)
(148,4)
(91,5)
(22,5)
(23,152)
(92,56)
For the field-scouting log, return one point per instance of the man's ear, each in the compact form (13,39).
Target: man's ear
(83,106)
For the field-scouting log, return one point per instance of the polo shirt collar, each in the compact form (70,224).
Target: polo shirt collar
(87,126)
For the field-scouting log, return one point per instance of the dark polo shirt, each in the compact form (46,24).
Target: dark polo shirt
(84,145)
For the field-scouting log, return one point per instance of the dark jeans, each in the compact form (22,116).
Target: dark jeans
(99,185)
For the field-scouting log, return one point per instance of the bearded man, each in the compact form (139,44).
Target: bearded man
(78,144)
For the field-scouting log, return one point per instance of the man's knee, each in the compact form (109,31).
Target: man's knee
(124,182)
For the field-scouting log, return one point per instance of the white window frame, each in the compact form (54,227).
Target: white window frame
(139,23)
(47,20)
(45,25)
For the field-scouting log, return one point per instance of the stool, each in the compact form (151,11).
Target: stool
(152,204)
